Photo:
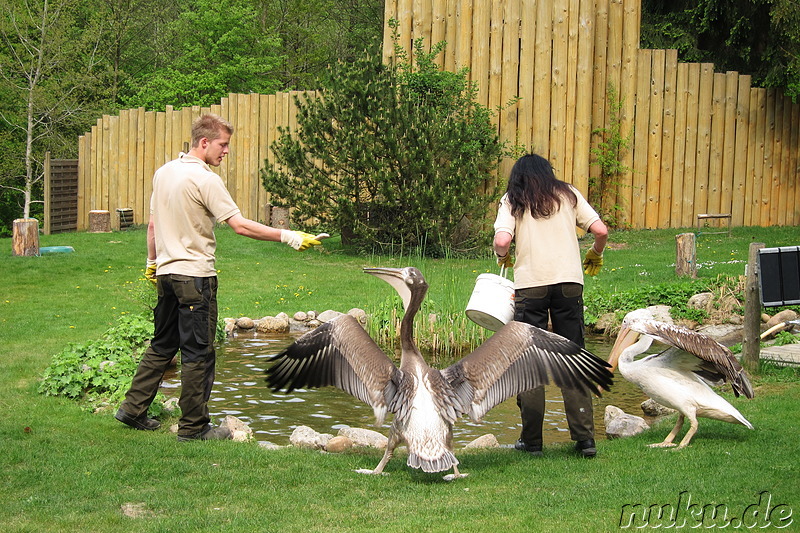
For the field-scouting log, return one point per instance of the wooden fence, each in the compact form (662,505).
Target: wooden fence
(118,157)
(60,195)
(701,141)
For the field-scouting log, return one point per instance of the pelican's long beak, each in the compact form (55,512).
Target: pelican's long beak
(625,338)
(395,277)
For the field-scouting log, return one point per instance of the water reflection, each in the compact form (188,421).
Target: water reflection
(240,390)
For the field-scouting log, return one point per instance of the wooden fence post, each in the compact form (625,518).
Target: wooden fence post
(25,239)
(751,340)
(685,255)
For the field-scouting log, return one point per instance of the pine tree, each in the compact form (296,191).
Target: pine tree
(389,155)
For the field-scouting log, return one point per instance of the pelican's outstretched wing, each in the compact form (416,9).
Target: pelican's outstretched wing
(709,359)
(338,353)
(520,357)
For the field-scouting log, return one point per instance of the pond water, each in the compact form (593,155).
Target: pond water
(240,390)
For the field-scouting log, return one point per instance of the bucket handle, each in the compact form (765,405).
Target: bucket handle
(503,271)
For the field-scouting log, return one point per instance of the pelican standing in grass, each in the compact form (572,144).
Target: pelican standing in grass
(426,401)
(679,376)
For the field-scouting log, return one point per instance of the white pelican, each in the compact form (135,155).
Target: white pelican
(678,377)
(426,401)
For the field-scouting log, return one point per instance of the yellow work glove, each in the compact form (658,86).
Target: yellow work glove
(505,261)
(150,271)
(592,262)
(299,240)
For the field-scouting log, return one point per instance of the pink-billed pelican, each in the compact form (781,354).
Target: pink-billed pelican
(426,401)
(678,377)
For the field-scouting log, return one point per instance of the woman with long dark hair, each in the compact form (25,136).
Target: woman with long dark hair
(540,213)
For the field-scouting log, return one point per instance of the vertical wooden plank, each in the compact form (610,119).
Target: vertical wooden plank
(540,140)
(766,176)
(558,87)
(758,163)
(168,154)
(729,142)
(782,160)
(614,47)
(264,120)
(749,177)
(389,12)
(509,79)
(109,136)
(775,159)
(717,144)
(690,158)
(140,178)
(438,30)
(793,217)
(224,111)
(641,139)
(244,159)
(583,97)
(679,146)
(183,142)
(421,23)
(234,178)
(703,137)
(84,165)
(570,78)
(150,153)
(463,42)
(256,190)
(739,154)
(496,56)
(665,216)
(655,133)
(613,66)
(97,170)
(627,93)
(480,50)
(527,67)
(449,32)
(599,83)
(405,18)
(789,174)
(118,197)
(133,160)
(272,136)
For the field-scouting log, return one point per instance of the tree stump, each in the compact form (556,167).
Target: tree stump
(99,221)
(25,239)
(686,255)
(280,217)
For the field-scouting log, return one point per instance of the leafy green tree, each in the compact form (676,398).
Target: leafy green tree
(390,155)
(317,33)
(757,37)
(39,49)
(217,48)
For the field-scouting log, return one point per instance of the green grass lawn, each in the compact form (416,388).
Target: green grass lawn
(65,469)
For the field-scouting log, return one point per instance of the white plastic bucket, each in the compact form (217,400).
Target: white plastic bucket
(492,302)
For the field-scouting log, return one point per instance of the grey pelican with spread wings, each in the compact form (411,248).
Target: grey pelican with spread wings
(426,401)
(679,376)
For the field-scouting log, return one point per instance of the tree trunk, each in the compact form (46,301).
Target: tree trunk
(25,240)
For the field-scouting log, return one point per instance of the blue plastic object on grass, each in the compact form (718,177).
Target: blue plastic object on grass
(56,250)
